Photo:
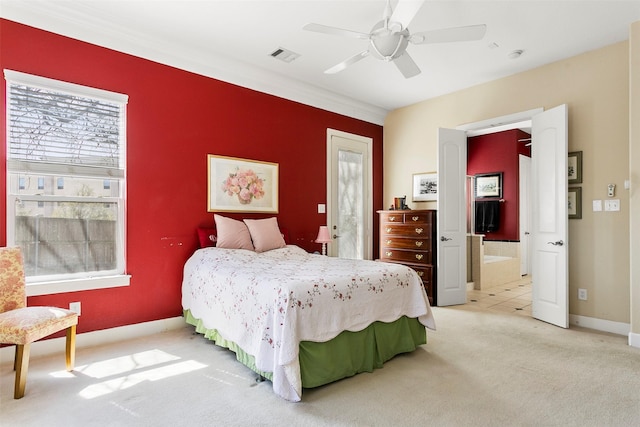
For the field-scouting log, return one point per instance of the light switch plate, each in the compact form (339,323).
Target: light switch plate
(612,205)
(322,208)
(597,205)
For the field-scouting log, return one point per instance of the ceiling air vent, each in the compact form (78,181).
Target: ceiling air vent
(284,54)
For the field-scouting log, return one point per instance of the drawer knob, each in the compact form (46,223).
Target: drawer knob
(389,253)
(419,230)
(389,229)
(419,256)
(415,218)
(389,242)
(418,243)
(420,273)
(392,218)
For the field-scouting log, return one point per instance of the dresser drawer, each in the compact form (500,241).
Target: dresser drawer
(418,218)
(407,243)
(392,217)
(409,230)
(422,257)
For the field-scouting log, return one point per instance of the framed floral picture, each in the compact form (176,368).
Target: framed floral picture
(241,185)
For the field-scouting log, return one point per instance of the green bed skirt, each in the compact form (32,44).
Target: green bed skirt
(346,355)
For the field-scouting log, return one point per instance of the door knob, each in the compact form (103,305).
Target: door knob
(445,239)
(558,243)
(335,236)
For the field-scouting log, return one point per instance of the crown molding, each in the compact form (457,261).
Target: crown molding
(70,20)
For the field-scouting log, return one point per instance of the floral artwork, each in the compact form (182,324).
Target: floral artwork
(245,184)
(240,185)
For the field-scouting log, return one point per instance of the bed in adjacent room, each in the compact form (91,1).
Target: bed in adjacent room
(301,320)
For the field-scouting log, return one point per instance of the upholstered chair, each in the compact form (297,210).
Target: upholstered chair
(22,325)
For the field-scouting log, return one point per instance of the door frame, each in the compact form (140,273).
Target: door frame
(368,212)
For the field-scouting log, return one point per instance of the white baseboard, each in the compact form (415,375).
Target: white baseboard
(634,340)
(90,339)
(600,324)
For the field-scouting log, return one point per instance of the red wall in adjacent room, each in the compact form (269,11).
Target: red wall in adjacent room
(498,152)
(174,119)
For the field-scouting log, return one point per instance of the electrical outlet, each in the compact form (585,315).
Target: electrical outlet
(582,294)
(75,307)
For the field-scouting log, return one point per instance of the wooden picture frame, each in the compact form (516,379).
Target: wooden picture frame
(574,167)
(574,203)
(241,185)
(425,187)
(487,185)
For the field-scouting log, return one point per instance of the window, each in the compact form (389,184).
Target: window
(72,137)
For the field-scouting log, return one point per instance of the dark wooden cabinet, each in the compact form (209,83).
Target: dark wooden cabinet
(409,237)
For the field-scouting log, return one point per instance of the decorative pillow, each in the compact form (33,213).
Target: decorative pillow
(265,234)
(232,234)
(207,237)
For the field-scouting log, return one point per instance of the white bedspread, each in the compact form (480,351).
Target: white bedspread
(268,302)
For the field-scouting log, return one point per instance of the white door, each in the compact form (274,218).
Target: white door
(349,187)
(451,221)
(525,214)
(549,219)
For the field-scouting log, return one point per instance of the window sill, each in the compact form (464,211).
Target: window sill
(87,284)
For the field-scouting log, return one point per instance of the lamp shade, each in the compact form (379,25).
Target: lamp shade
(323,235)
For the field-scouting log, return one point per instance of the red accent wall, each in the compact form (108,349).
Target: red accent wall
(174,119)
(498,152)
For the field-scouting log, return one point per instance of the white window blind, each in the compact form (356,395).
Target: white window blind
(59,127)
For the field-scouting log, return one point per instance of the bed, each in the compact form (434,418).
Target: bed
(303,320)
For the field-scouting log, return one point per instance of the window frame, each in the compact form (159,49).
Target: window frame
(41,285)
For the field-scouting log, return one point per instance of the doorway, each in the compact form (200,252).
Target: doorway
(349,189)
(549,214)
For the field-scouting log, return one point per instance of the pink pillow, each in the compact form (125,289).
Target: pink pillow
(232,234)
(207,237)
(265,234)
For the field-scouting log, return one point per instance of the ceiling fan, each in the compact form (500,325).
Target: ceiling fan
(389,38)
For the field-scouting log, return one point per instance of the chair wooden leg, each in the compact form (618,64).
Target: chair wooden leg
(71,347)
(21,365)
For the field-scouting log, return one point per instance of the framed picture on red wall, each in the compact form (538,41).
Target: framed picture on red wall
(241,185)
(488,185)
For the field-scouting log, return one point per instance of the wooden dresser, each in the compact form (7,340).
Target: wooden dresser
(409,237)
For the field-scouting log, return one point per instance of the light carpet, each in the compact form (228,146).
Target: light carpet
(478,368)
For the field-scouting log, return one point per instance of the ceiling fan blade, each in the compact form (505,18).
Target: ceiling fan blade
(446,35)
(319,28)
(344,64)
(407,67)
(405,11)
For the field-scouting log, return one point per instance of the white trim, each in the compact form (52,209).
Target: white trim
(95,338)
(71,23)
(603,325)
(58,85)
(509,121)
(84,284)
(634,340)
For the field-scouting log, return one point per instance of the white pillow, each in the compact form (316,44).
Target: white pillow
(265,234)
(232,234)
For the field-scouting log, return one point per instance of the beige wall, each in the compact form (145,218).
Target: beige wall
(595,86)
(634,164)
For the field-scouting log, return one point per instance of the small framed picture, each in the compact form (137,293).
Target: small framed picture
(425,187)
(574,167)
(574,207)
(488,185)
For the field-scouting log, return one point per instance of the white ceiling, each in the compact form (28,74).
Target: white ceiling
(232,41)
